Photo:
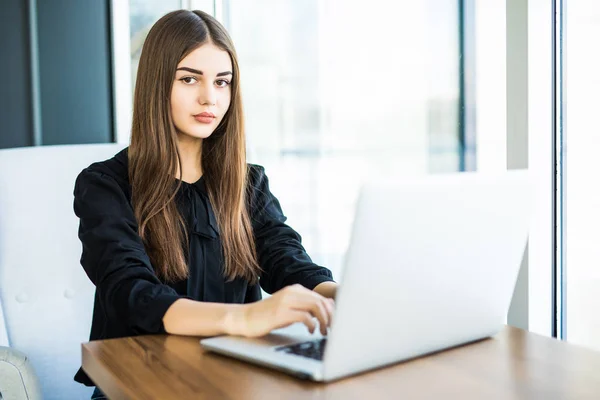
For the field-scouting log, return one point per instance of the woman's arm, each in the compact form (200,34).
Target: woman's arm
(115,259)
(290,305)
(195,318)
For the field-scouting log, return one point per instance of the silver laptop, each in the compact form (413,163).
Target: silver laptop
(432,264)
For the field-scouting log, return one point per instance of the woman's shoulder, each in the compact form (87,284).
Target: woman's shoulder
(258,181)
(115,168)
(257,184)
(256,174)
(262,201)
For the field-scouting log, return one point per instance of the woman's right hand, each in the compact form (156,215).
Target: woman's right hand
(287,306)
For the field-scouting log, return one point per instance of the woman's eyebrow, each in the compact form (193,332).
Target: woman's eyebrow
(195,71)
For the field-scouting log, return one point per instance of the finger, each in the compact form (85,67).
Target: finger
(330,305)
(297,297)
(317,307)
(322,315)
(303,317)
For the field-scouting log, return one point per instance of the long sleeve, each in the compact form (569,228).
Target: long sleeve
(280,252)
(114,257)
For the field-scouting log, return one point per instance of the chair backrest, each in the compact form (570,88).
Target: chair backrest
(46,297)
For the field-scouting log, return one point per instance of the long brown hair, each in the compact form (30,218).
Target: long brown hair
(154,158)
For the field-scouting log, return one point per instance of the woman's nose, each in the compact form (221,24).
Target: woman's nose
(207,96)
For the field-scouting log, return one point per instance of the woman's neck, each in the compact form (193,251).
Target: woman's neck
(190,151)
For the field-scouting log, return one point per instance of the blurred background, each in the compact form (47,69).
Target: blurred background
(338,91)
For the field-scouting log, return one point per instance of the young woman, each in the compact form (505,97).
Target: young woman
(178,232)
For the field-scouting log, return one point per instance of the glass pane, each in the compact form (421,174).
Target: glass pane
(142,15)
(208,6)
(581,186)
(339,91)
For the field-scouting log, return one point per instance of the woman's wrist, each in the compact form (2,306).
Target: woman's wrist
(234,322)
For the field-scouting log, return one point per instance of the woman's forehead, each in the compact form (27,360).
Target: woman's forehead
(207,58)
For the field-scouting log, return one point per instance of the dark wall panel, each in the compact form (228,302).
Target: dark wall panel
(15,89)
(75,71)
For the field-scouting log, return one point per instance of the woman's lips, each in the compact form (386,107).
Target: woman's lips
(204,119)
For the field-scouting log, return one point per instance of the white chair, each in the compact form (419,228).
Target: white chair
(45,295)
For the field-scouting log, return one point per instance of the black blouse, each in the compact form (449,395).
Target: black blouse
(130,299)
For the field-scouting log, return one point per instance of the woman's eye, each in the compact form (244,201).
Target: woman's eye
(188,80)
(222,82)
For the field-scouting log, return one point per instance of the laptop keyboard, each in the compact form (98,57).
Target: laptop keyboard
(313,349)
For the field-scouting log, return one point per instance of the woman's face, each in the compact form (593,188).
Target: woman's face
(201,92)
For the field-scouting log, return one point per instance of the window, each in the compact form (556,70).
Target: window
(578,183)
(336,92)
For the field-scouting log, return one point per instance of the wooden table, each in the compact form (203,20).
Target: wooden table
(514,364)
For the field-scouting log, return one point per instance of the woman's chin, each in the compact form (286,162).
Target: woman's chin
(195,134)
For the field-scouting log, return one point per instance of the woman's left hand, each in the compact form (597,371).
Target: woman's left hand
(327,289)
